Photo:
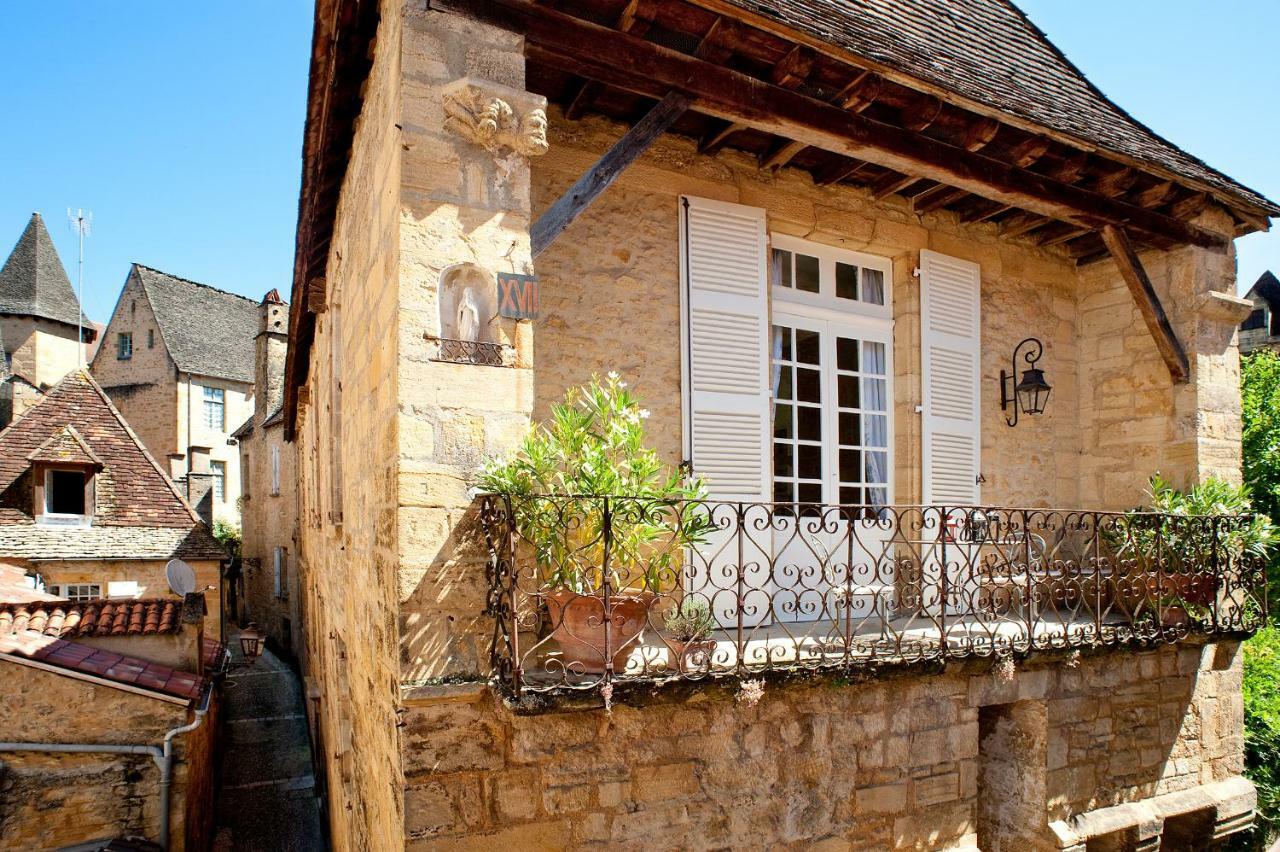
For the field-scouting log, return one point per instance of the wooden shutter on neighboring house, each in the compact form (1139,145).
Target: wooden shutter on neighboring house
(725,313)
(951,364)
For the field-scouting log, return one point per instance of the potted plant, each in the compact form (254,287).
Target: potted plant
(689,626)
(603,517)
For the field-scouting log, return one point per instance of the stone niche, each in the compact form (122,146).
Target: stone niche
(468,304)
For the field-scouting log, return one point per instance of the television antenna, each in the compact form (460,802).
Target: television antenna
(182,580)
(81,222)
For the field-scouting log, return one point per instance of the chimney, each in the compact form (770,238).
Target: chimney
(177,466)
(199,493)
(199,459)
(268,355)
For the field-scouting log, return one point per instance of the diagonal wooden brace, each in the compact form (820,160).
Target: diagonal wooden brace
(1175,357)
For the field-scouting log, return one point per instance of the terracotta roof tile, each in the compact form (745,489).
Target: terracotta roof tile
(81,659)
(63,619)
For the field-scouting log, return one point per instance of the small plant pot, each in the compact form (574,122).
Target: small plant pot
(693,656)
(578,625)
(1174,616)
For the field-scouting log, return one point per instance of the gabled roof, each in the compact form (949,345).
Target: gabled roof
(990,53)
(65,447)
(206,331)
(139,512)
(33,281)
(1268,287)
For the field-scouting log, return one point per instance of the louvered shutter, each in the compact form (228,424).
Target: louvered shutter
(950,339)
(726,315)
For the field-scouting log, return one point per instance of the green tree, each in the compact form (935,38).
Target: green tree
(1260,416)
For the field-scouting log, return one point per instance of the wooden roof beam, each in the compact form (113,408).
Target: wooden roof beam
(891,183)
(1022,223)
(1175,357)
(589,50)
(629,21)
(1063,234)
(855,97)
(980,134)
(1028,151)
(840,170)
(601,176)
(922,113)
(988,211)
(936,198)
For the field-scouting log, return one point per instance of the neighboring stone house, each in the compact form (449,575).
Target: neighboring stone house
(87,510)
(812,236)
(109,728)
(268,589)
(1261,329)
(40,321)
(178,362)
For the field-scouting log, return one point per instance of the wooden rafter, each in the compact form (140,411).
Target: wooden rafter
(838,171)
(980,134)
(891,183)
(630,21)
(1022,223)
(649,69)
(606,170)
(936,198)
(1131,270)
(1027,152)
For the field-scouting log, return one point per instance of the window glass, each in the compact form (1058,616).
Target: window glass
(807,277)
(124,346)
(64,492)
(780,268)
(215,408)
(151,338)
(873,286)
(77,592)
(846,281)
(219,471)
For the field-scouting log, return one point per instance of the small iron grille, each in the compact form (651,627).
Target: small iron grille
(467,352)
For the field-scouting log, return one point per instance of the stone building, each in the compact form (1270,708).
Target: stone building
(177,361)
(268,588)
(108,730)
(1261,329)
(815,238)
(86,510)
(40,321)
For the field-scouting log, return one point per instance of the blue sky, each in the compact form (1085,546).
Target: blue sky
(180,124)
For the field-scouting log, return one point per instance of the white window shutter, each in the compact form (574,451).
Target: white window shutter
(951,362)
(725,312)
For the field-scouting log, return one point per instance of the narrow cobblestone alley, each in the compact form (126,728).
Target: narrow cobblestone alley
(267,799)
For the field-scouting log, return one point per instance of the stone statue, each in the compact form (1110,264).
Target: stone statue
(468,316)
(491,123)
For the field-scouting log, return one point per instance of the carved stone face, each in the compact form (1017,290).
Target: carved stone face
(533,132)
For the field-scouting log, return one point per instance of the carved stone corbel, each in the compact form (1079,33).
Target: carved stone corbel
(502,120)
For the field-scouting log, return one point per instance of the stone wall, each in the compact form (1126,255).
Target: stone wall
(144,387)
(894,763)
(346,478)
(94,796)
(193,431)
(613,277)
(270,520)
(149,574)
(43,351)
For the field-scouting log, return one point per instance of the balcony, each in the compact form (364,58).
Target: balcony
(591,590)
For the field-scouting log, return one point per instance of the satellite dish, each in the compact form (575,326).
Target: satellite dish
(182,580)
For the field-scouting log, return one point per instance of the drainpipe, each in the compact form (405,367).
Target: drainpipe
(161,754)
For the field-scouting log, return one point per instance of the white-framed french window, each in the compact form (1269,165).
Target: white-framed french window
(66,498)
(215,408)
(218,470)
(76,592)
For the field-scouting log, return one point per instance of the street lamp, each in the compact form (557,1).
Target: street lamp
(1031,391)
(251,642)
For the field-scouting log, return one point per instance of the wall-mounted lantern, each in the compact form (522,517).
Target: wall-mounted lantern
(251,643)
(1031,391)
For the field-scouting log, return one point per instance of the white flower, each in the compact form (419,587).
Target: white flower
(644,414)
(750,692)
(613,375)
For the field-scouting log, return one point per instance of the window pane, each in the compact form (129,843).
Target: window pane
(219,471)
(873,358)
(810,462)
(808,347)
(782,460)
(782,382)
(783,492)
(781,268)
(810,423)
(873,286)
(808,385)
(809,493)
(846,281)
(877,466)
(846,353)
(850,466)
(807,273)
(782,424)
(877,430)
(873,394)
(65,492)
(848,387)
(850,431)
(878,496)
(851,496)
(781,343)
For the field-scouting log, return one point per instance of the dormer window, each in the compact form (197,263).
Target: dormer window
(66,497)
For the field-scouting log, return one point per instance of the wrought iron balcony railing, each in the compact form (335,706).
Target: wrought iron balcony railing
(587,590)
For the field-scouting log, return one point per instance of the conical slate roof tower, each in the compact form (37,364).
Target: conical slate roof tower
(33,281)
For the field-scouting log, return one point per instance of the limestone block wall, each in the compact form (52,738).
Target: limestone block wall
(93,795)
(194,431)
(894,763)
(147,573)
(347,445)
(270,520)
(42,351)
(610,299)
(144,387)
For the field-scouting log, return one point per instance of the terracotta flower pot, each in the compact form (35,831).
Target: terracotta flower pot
(1174,616)
(693,656)
(578,625)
